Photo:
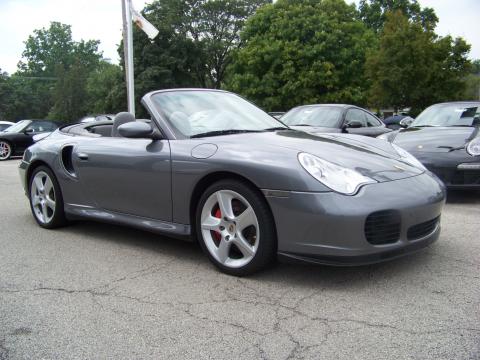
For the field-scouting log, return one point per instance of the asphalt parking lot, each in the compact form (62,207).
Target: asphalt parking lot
(99,291)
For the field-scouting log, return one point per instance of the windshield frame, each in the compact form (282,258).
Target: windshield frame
(18,127)
(166,127)
(338,123)
(420,122)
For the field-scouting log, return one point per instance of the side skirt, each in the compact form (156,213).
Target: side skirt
(79,212)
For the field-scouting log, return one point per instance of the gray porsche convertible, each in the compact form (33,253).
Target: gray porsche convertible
(211,167)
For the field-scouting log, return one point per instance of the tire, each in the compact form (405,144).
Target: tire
(6,150)
(235,228)
(45,196)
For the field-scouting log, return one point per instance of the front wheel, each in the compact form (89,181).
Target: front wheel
(5,150)
(46,199)
(235,228)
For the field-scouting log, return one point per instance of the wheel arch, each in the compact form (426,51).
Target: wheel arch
(31,168)
(212,178)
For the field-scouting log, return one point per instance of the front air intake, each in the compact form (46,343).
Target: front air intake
(383,227)
(421,230)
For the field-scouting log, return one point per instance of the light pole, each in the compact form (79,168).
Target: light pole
(128,53)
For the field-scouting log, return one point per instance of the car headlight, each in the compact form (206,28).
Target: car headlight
(473,147)
(337,178)
(408,158)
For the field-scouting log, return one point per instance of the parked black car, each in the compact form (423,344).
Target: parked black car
(15,139)
(334,118)
(446,139)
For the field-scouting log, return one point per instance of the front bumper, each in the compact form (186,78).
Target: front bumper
(331,228)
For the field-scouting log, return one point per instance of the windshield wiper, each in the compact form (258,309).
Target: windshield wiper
(222,132)
(300,125)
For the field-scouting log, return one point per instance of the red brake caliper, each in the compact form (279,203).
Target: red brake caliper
(216,235)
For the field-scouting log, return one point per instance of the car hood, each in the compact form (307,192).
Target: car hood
(371,157)
(434,139)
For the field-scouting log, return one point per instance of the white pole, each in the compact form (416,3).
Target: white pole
(128,53)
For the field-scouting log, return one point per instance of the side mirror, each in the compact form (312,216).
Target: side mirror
(137,130)
(406,122)
(354,124)
(29,131)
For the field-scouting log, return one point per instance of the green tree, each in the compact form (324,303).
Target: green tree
(374,13)
(302,51)
(47,73)
(105,89)
(472,82)
(194,46)
(70,94)
(415,68)
(24,98)
(48,47)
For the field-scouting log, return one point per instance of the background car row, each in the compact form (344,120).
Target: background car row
(19,136)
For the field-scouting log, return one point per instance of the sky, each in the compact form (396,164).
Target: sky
(102,20)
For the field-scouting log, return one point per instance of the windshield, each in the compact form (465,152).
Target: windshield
(449,115)
(193,113)
(324,116)
(17,127)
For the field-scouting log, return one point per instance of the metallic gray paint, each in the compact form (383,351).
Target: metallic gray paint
(150,183)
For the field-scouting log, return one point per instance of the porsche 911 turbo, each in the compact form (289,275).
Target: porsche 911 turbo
(445,138)
(212,167)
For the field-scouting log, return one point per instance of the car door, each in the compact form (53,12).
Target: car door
(355,116)
(129,176)
(375,125)
(371,126)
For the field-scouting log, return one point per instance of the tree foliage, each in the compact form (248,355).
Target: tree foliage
(194,44)
(106,93)
(208,30)
(374,13)
(278,54)
(415,68)
(51,77)
(472,82)
(302,51)
(47,48)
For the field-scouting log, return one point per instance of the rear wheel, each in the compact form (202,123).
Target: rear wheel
(235,228)
(5,150)
(46,199)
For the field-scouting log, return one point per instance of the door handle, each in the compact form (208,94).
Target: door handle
(82,156)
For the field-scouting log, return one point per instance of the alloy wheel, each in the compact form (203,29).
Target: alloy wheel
(230,228)
(5,150)
(42,196)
